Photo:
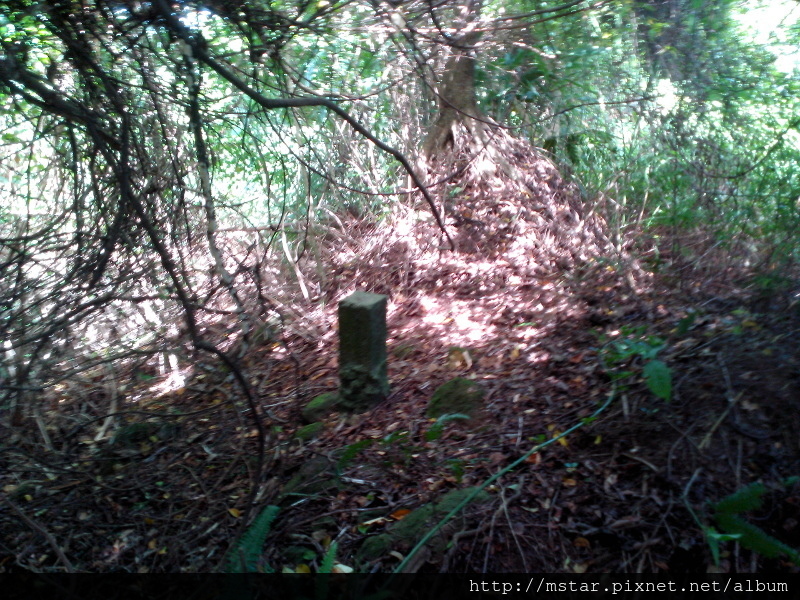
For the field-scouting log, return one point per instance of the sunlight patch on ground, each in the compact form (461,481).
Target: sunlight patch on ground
(459,321)
(174,382)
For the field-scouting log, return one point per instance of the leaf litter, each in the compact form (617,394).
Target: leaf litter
(527,307)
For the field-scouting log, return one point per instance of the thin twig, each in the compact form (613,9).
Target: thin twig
(478,489)
(504,507)
(50,539)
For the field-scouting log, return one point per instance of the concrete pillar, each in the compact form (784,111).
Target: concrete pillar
(362,350)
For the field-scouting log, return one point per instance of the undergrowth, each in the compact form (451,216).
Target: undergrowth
(728,515)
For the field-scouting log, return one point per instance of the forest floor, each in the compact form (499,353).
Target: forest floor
(549,342)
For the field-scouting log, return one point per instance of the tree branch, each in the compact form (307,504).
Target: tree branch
(198,45)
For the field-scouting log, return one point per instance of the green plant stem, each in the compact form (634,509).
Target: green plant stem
(434,530)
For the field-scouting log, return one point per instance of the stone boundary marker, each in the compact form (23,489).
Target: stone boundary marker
(362,350)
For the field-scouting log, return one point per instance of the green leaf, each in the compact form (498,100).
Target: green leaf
(713,538)
(686,323)
(659,379)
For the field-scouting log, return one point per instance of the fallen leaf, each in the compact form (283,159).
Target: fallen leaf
(399,514)
(340,568)
(496,457)
(582,542)
(321,536)
(377,521)
(235,512)
(625,522)
(435,485)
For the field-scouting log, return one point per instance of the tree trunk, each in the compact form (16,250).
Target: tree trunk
(457,105)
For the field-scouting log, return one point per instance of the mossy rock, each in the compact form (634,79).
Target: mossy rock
(315,477)
(134,434)
(320,407)
(406,533)
(308,432)
(458,395)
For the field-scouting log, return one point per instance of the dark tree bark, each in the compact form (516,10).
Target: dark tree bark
(457,104)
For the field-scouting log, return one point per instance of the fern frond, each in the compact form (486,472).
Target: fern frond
(756,539)
(747,498)
(728,517)
(244,555)
(328,560)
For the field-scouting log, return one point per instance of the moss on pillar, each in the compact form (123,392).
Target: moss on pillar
(362,351)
